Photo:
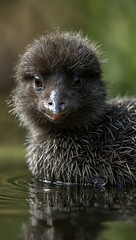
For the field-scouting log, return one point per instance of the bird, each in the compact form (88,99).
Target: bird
(75,134)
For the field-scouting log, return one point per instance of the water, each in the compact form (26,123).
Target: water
(35,211)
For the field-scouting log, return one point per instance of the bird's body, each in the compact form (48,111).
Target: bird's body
(75,134)
(105,154)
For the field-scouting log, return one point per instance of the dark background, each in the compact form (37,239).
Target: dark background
(110,23)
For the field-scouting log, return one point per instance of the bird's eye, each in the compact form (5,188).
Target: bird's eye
(77,81)
(38,83)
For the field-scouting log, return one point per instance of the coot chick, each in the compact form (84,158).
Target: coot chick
(75,135)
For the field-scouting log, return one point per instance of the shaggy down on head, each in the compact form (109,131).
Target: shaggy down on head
(74,134)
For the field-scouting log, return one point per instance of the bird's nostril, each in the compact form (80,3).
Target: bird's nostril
(62,103)
(50,103)
(56,105)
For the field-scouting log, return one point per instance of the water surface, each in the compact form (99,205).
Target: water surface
(35,211)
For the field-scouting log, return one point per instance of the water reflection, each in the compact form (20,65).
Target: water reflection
(36,211)
(71,212)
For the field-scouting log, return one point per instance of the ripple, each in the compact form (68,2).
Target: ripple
(14,190)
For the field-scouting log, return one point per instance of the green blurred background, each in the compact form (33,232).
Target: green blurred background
(110,23)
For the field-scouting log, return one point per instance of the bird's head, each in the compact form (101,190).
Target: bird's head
(59,82)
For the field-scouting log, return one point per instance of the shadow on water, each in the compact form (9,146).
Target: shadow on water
(36,211)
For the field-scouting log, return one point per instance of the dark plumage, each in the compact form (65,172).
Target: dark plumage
(75,134)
